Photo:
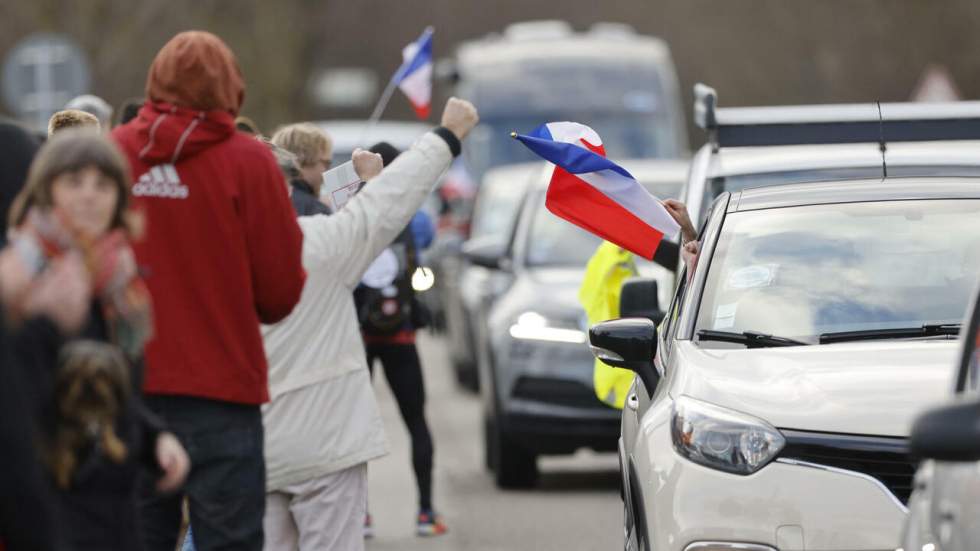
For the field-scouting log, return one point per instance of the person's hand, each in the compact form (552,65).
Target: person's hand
(174,462)
(459,117)
(689,252)
(678,211)
(61,293)
(367,165)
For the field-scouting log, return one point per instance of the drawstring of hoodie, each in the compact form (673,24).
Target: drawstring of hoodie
(187,132)
(153,132)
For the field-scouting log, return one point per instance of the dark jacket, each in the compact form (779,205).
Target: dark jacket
(27,500)
(16,155)
(304,201)
(99,510)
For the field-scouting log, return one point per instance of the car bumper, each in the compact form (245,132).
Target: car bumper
(548,403)
(786,506)
(560,434)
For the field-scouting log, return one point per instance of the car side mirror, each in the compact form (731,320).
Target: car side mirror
(628,343)
(640,298)
(948,433)
(488,254)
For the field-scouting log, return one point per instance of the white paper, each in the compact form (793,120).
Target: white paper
(340,184)
(725,316)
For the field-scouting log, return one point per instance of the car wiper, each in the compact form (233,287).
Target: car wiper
(750,339)
(927,330)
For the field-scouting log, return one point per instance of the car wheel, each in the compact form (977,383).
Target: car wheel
(488,443)
(514,466)
(466,375)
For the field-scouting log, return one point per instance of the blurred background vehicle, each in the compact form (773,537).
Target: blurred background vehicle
(623,83)
(471,288)
(348,135)
(535,72)
(527,328)
(944,506)
(467,286)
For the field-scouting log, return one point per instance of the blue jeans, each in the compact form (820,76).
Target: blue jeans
(226,485)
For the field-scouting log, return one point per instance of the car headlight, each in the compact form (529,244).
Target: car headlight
(723,439)
(533,326)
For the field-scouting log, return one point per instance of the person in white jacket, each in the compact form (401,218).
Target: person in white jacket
(323,423)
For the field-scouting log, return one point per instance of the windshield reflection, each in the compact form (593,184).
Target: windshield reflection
(802,271)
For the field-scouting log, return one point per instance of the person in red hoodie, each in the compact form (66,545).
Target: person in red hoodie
(221,255)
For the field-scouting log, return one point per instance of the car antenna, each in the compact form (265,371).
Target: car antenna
(881,142)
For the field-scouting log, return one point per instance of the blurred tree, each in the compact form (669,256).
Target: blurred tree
(754,51)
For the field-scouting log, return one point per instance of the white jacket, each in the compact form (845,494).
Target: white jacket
(323,416)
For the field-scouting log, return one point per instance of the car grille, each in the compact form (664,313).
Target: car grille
(557,391)
(886,459)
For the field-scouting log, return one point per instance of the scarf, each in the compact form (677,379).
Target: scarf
(111,263)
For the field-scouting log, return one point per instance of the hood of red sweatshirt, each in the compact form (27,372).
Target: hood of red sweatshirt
(166,133)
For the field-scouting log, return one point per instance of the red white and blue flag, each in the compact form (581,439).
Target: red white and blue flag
(596,194)
(414,77)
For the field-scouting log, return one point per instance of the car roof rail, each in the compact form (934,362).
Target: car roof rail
(833,123)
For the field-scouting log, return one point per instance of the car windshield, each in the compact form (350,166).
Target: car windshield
(554,242)
(624,102)
(799,272)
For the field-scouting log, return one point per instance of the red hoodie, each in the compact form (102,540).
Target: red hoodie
(221,252)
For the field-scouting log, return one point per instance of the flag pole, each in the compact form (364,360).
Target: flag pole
(378,110)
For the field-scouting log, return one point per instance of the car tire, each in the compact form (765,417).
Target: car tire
(466,375)
(513,466)
(488,443)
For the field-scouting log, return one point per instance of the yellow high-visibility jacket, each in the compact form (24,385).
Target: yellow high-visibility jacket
(608,268)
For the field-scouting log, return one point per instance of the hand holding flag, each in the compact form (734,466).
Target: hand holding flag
(595,193)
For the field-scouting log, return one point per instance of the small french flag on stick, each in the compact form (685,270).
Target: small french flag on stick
(414,77)
(596,194)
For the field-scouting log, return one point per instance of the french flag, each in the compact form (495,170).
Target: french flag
(414,77)
(596,194)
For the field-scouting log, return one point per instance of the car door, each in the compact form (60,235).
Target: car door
(673,326)
(638,400)
(955,506)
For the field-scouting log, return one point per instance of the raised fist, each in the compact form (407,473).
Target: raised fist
(367,165)
(459,117)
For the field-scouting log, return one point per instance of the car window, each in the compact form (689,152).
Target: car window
(496,210)
(669,327)
(552,241)
(803,271)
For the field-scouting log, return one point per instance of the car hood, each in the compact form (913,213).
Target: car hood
(871,388)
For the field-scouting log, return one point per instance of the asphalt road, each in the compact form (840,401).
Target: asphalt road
(576,505)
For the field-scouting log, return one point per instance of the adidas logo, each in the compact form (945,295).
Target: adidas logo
(161,181)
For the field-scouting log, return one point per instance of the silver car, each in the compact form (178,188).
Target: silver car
(534,364)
